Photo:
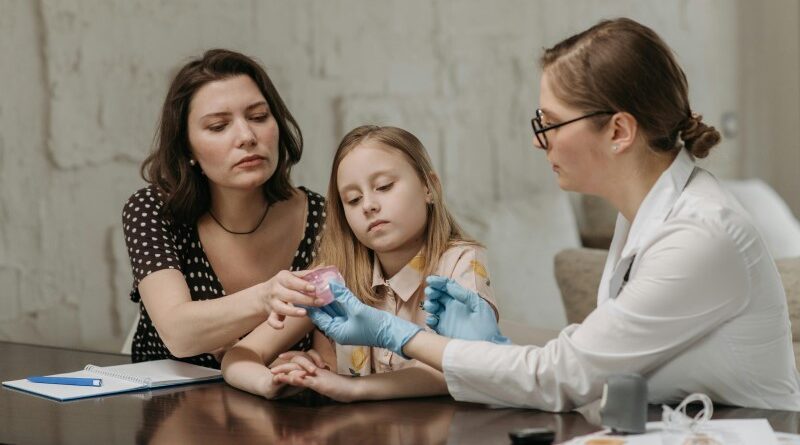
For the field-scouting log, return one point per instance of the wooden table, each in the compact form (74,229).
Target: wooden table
(217,413)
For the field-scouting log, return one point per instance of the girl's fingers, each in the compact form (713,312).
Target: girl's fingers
(280,379)
(296,378)
(285,368)
(317,359)
(306,363)
(312,355)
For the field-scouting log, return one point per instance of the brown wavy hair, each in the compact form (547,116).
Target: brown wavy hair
(339,246)
(622,65)
(184,189)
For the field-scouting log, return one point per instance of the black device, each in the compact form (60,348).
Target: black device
(532,436)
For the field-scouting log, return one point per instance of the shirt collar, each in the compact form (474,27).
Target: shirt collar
(659,201)
(405,282)
(654,209)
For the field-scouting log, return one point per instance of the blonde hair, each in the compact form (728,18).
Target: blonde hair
(338,245)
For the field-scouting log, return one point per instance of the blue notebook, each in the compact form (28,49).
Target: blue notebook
(121,378)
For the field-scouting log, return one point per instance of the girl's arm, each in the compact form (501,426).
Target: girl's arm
(244,365)
(189,327)
(414,381)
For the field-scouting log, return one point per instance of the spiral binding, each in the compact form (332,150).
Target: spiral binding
(117,375)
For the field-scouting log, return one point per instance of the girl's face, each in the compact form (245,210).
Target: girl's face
(233,135)
(384,200)
(574,150)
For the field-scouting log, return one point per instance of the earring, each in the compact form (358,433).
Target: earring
(192,162)
(615,147)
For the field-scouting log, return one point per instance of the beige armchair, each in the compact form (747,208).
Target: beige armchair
(578,273)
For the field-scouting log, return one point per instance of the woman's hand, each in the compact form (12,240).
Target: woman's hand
(282,292)
(457,312)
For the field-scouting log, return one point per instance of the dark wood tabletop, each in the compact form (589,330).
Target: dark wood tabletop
(218,413)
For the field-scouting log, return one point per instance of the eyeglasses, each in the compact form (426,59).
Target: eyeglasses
(539,129)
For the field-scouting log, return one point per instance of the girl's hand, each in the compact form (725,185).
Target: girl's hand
(309,360)
(274,388)
(291,365)
(325,382)
(282,292)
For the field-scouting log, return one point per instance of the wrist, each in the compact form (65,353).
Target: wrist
(358,389)
(405,349)
(403,331)
(263,298)
(266,387)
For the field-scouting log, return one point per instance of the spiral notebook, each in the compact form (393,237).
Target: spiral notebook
(121,378)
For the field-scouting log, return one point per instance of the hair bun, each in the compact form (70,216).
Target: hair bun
(698,137)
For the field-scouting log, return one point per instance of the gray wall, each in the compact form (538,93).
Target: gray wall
(82,83)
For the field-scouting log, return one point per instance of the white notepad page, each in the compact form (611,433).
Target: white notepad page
(121,378)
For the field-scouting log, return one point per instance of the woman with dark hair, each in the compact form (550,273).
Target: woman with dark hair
(690,297)
(212,238)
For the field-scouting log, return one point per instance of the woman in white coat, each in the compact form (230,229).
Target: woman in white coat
(690,297)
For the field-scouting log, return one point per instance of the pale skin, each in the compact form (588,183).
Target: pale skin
(385,204)
(234,141)
(613,162)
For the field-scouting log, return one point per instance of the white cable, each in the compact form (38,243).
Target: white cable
(677,419)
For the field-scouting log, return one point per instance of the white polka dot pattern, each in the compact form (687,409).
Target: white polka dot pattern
(155,243)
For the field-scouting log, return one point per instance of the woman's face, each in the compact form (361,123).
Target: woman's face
(232,133)
(576,150)
(384,200)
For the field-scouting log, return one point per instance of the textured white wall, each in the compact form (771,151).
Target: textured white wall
(82,83)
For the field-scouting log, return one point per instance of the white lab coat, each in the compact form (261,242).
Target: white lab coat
(702,310)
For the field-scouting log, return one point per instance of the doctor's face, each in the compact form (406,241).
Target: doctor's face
(574,150)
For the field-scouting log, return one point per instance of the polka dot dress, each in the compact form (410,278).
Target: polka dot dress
(154,243)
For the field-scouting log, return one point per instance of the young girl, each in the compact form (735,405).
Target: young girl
(387,229)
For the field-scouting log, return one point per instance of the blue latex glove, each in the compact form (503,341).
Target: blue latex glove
(457,312)
(348,321)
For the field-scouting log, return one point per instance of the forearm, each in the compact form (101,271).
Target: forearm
(195,327)
(242,368)
(414,381)
(428,348)
(245,366)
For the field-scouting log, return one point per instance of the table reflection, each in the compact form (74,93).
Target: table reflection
(217,413)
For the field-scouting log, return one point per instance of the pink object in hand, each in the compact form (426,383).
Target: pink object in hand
(321,278)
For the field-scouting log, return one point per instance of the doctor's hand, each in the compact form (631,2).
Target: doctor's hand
(348,321)
(457,312)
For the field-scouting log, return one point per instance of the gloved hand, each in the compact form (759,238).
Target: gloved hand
(457,312)
(348,321)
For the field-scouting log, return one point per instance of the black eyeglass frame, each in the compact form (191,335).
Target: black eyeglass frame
(539,129)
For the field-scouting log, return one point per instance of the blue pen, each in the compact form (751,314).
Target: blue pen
(77,381)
